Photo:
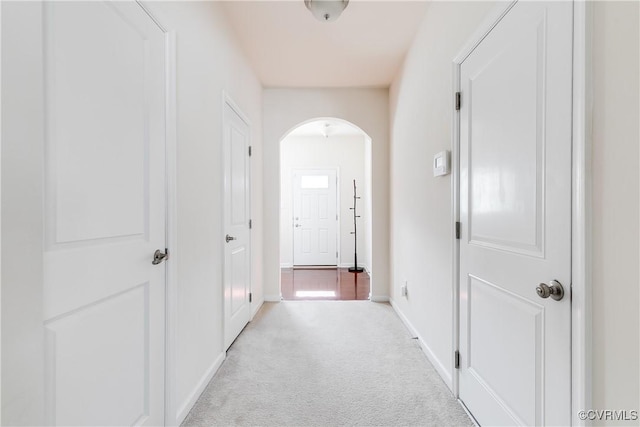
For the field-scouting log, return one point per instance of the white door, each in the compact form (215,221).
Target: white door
(315,218)
(104,214)
(515,210)
(237,252)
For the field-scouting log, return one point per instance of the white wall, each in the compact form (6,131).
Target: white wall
(368,109)
(616,91)
(345,154)
(209,62)
(421,224)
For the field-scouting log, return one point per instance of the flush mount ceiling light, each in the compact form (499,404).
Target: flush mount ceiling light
(326,10)
(326,130)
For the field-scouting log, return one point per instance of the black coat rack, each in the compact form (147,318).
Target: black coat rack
(355,268)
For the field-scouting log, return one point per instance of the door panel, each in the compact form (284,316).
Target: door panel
(105,210)
(315,238)
(237,276)
(515,210)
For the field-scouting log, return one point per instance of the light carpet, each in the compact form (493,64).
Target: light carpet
(326,363)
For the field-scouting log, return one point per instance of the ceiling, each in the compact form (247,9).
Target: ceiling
(327,128)
(288,47)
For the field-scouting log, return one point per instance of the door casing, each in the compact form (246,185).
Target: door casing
(580,203)
(171,416)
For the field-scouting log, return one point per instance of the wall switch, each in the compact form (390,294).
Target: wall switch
(442,163)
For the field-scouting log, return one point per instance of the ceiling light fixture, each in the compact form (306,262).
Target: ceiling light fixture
(326,10)
(326,130)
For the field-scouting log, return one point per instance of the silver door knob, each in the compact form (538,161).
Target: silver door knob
(555,291)
(229,238)
(159,256)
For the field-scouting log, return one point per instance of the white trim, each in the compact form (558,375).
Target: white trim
(171,222)
(581,198)
(581,346)
(350,264)
(379,298)
(226,99)
(455,209)
(286,265)
(437,363)
(171,293)
(491,20)
(256,309)
(188,403)
(0,210)
(272,298)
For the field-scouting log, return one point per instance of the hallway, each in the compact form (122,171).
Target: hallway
(326,363)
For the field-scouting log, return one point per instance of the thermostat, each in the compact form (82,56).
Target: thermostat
(441,163)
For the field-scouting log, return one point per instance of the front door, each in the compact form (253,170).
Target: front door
(237,253)
(105,208)
(515,210)
(315,219)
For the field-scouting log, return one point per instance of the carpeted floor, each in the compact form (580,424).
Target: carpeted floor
(326,363)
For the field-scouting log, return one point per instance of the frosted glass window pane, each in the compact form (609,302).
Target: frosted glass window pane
(314,181)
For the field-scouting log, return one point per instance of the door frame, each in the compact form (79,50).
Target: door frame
(338,238)
(227,101)
(171,416)
(581,330)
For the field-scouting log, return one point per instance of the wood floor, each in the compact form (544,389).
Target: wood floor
(336,284)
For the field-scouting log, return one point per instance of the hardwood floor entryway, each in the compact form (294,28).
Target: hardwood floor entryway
(324,284)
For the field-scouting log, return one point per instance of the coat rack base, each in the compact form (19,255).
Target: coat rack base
(356,269)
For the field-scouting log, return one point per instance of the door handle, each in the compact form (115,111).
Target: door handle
(555,291)
(229,238)
(159,256)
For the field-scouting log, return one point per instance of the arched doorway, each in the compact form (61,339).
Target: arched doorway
(321,160)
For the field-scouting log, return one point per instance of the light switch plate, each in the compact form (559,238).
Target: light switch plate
(442,163)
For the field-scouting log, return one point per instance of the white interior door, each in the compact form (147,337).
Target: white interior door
(237,253)
(104,214)
(515,209)
(315,217)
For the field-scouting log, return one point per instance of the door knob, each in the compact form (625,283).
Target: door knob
(555,291)
(159,256)
(229,238)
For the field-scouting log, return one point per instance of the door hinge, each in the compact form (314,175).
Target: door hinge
(250,224)
(458,101)
(458,227)
(336,254)
(250,297)
(457,359)
(249,151)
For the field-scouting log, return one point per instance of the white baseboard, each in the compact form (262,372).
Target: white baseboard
(350,264)
(256,308)
(286,265)
(272,298)
(379,298)
(197,391)
(437,363)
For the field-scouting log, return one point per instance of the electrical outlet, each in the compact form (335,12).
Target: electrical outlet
(403,289)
